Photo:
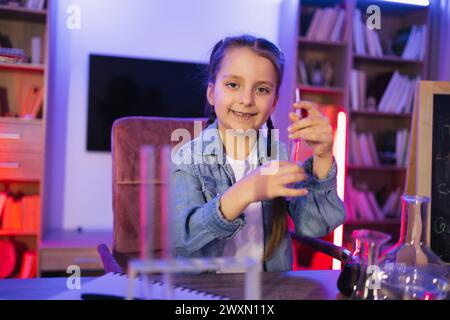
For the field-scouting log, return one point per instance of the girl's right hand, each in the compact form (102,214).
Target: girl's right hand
(265,183)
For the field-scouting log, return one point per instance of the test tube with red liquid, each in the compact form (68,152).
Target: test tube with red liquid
(294,144)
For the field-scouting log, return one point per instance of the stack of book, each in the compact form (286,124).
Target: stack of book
(399,94)
(365,41)
(362,205)
(19,214)
(327,24)
(35,4)
(13,55)
(416,44)
(363,151)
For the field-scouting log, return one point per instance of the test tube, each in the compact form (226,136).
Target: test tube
(294,144)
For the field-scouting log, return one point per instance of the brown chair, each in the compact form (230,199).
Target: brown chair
(127,136)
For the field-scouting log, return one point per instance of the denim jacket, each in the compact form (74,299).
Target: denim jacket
(201,175)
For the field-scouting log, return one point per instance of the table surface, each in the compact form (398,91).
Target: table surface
(293,285)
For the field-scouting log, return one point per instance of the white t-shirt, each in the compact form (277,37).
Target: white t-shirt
(249,241)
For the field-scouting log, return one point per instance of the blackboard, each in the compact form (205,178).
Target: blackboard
(440,177)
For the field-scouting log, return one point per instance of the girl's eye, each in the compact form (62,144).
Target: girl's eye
(262,90)
(232,85)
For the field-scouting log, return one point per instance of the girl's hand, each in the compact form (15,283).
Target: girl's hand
(315,129)
(266,183)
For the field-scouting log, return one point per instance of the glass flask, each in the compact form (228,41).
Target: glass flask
(411,270)
(368,244)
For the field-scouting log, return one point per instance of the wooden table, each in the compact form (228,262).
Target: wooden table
(294,285)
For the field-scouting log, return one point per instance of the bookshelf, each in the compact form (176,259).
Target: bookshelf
(379,125)
(22,131)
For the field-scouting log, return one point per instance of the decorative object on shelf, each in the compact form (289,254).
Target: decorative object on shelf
(411,270)
(7,258)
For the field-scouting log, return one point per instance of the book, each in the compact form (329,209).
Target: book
(389,206)
(4,105)
(358,33)
(32,102)
(374,205)
(37,103)
(327,24)
(12,215)
(363,208)
(339,26)
(316,20)
(30,212)
(355,153)
(373,149)
(366,154)
(354,90)
(116,284)
(385,99)
(28,265)
(3,197)
(302,72)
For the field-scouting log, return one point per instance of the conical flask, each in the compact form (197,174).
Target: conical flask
(411,270)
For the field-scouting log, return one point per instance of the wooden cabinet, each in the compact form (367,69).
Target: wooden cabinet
(22,135)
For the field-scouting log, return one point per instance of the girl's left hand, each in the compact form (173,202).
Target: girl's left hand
(315,129)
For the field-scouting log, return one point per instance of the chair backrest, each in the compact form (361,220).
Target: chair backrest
(127,136)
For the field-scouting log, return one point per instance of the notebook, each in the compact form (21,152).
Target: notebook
(115,284)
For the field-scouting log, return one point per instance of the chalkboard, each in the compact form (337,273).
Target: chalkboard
(440,177)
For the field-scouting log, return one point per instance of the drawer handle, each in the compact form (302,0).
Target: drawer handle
(10,136)
(9,165)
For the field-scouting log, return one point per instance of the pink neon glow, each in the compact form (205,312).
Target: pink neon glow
(339,147)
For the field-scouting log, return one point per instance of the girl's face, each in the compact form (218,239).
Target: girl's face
(244,93)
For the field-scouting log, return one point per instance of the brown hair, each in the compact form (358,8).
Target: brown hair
(266,49)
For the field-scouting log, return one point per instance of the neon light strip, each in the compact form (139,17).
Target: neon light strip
(339,145)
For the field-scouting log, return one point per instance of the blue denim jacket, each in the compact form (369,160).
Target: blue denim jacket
(201,175)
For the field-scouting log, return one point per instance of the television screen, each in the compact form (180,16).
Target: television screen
(121,87)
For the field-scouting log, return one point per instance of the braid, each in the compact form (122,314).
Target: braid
(269,124)
(212,116)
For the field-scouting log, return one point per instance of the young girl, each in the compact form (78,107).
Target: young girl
(228,201)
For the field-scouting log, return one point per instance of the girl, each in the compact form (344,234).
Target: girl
(228,200)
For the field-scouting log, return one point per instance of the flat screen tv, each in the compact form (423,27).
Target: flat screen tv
(121,87)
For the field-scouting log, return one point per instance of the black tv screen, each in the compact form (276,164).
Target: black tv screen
(121,87)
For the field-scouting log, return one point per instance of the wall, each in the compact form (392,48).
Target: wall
(77,189)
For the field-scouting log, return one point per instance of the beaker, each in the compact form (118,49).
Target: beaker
(369,277)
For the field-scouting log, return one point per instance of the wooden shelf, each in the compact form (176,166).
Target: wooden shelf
(320,90)
(385,222)
(380,114)
(18,233)
(20,120)
(320,44)
(376,168)
(25,67)
(386,60)
(21,13)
